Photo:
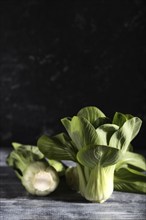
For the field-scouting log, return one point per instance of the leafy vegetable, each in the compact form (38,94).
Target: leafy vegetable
(91,113)
(58,166)
(35,173)
(130,180)
(127,175)
(72,178)
(101,149)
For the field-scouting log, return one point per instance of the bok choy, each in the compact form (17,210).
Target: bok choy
(102,150)
(34,171)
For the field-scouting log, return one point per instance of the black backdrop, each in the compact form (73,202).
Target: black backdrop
(59,56)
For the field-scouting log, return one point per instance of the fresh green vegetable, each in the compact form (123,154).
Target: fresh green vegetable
(35,173)
(128,175)
(58,166)
(101,149)
(72,178)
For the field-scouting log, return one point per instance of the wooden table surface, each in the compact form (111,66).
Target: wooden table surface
(63,204)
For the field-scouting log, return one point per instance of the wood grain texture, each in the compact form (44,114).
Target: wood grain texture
(64,204)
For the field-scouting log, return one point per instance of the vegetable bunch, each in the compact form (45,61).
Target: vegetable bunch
(102,151)
(39,176)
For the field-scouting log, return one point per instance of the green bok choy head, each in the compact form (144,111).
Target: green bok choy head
(35,173)
(97,145)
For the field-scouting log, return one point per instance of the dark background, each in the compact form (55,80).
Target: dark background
(59,56)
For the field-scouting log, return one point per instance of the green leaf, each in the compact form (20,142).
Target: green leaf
(100,121)
(16,145)
(133,159)
(15,161)
(58,166)
(130,147)
(120,118)
(20,158)
(32,149)
(129,180)
(56,147)
(81,131)
(91,113)
(92,155)
(104,132)
(122,137)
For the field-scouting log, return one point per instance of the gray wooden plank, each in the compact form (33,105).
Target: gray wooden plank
(115,208)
